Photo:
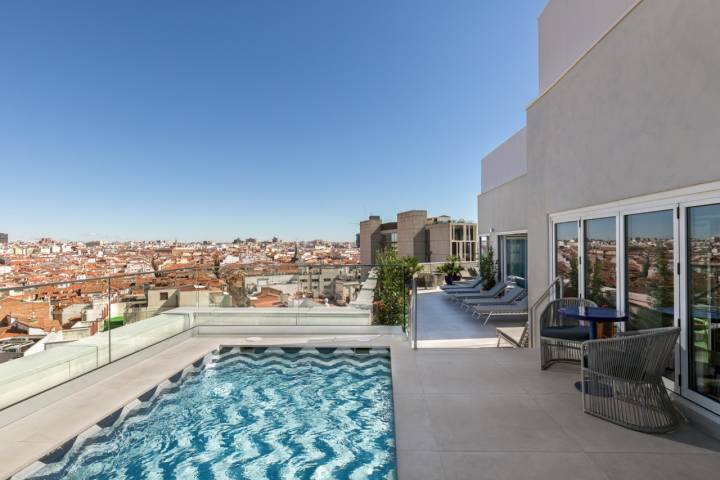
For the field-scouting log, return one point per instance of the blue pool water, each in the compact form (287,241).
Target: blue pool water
(262,414)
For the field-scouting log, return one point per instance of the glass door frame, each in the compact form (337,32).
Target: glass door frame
(686,332)
(619,213)
(502,253)
(679,201)
(580,220)
(619,267)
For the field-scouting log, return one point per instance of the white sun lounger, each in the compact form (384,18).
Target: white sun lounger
(513,309)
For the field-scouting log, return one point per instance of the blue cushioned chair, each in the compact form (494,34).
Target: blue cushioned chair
(560,337)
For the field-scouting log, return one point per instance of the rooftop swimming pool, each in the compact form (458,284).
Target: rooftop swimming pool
(246,413)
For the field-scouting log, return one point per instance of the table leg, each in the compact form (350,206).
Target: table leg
(605,330)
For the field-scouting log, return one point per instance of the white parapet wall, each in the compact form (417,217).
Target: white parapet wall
(326,316)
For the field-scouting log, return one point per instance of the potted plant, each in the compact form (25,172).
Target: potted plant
(451,269)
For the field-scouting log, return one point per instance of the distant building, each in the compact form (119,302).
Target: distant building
(269,297)
(4,238)
(414,234)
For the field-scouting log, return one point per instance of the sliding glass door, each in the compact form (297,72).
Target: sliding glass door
(703,300)
(650,273)
(660,263)
(600,261)
(515,259)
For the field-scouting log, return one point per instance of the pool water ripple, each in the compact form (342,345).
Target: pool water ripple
(267,414)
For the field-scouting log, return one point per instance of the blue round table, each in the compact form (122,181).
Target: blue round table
(593,316)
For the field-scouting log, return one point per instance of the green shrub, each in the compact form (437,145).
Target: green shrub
(488,268)
(391,293)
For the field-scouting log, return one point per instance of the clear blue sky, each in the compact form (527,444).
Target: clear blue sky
(208,120)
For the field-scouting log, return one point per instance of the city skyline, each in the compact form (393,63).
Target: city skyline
(140,121)
(95,237)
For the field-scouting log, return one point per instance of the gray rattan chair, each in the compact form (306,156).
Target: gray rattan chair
(561,337)
(622,380)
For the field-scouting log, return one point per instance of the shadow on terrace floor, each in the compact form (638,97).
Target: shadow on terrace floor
(443,323)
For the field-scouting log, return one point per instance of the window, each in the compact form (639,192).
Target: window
(516,260)
(484,243)
(458,232)
(163,295)
(566,257)
(389,239)
(600,261)
(703,299)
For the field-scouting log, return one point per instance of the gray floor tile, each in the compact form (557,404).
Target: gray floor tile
(540,382)
(625,466)
(439,319)
(445,377)
(488,423)
(520,466)
(596,435)
(413,429)
(419,465)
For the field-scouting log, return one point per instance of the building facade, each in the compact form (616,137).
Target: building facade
(414,234)
(4,238)
(614,183)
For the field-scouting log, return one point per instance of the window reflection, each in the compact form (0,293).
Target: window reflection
(649,270)
(566,256)
(703,230)
(650,274)
(600,258)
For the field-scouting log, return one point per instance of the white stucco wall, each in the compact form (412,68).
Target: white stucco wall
(639,114)
(505,163)
(503,209)
(568,28)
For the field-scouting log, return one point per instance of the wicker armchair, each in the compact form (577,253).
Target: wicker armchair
(622,380)
(561,337)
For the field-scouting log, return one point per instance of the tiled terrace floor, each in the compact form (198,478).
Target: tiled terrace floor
(443,323)
(459,414)
(492,414)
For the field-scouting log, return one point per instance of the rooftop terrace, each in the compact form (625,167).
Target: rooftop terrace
(459,414)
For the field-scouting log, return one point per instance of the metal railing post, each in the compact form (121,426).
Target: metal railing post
(109,321)
(413,313)
(552,290)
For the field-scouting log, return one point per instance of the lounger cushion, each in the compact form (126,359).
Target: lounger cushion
(576,333)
